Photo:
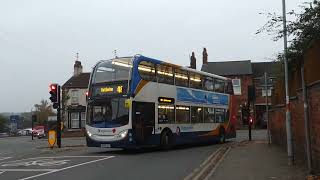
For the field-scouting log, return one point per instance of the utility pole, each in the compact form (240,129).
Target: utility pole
(306,121)
(266,80)
(59,119)
(288,113)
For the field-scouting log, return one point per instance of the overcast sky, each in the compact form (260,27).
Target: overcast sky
(39,38)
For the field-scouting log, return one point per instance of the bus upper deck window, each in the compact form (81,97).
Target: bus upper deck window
(195,81)
(181,78)
(165,74)
(219,85)
(147,71)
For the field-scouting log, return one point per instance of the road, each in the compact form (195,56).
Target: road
(80,162)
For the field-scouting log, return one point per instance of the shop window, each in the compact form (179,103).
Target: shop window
(183,114)
(147,71)
(165,74)
(166,114)
(181,78)
(208,115)
(196,114)
(220,116)
(195,81)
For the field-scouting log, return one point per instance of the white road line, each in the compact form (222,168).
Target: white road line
(69,167)
(1,172)
(54,158)
(26,170)
(4,158)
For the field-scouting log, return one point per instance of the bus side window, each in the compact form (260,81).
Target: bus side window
(208,115)
(166,114)
(195,81)
(147,71)
(164,74)
(219,115)
(181,78)
(219,85)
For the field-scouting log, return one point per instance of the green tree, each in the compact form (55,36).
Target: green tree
(43,110)
(303,29)
(3,123)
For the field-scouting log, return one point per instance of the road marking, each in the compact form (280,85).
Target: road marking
(26,170)
(1,172)
(217,165)
(4,158)
(38,162)
(69,167)
(53,157)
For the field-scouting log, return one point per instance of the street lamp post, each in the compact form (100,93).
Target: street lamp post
(288,114)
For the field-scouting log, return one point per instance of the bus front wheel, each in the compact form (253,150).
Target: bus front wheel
(166,140)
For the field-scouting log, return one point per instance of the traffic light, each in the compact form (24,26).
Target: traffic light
(250,121)
(54,92)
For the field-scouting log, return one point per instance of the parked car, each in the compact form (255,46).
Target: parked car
(24,132)
(39,131)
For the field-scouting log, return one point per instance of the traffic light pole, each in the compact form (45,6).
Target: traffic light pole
(59,119)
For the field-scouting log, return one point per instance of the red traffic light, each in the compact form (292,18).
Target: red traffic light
(250,120)
(53,87)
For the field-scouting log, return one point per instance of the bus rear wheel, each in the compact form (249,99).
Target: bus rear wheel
(222,136)
(166,140)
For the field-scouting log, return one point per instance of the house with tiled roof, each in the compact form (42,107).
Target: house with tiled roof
(74,98)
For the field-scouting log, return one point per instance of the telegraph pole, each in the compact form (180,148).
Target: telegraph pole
(288,113)
(59,119)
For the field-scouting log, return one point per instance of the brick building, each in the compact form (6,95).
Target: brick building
(244,74)
(278,118)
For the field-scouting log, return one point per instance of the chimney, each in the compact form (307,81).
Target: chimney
(204,56)
(193,61)
(77,68)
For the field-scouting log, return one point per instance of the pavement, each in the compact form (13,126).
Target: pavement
(22,158)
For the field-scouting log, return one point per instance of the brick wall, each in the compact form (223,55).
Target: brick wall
(278,126)
(277,114)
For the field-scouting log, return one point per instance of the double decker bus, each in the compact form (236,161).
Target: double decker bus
(139,101)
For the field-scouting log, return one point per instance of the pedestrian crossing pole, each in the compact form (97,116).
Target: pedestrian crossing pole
(59,118)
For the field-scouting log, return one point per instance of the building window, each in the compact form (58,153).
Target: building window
(220,116)
(264,92)
(83,119)
(147,71)
(183,114)
(74,97)
(196,115)
(208,115)
(181,78)
(165,74)
(165,114)
(75,120)
(236,86)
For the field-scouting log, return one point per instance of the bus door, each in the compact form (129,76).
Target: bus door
(143,120)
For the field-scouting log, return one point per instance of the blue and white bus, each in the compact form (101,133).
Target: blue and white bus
(139,102)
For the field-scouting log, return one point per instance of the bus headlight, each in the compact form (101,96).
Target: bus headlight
(89,134)
(123,134)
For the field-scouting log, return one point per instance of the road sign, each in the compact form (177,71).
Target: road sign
(52,138)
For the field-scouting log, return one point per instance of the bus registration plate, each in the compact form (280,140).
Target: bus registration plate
(105,146)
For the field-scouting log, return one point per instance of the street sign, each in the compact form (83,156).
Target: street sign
(52,138)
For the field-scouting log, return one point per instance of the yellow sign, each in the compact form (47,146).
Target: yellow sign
(106,89)
(52,138)
(128,103)
(119,89)
(166,100)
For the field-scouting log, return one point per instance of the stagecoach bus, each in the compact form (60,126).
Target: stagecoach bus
(138,101)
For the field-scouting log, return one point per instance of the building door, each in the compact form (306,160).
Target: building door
(143,121)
